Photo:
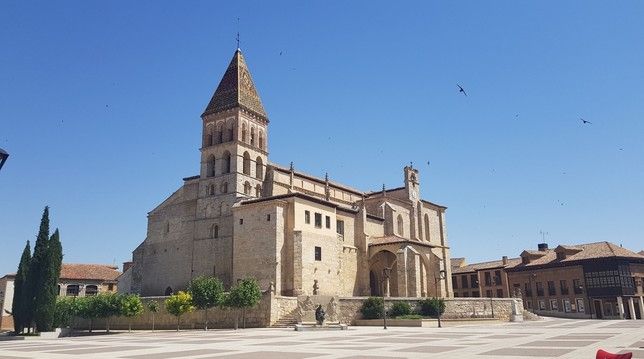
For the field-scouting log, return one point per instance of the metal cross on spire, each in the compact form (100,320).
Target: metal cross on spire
(238,33)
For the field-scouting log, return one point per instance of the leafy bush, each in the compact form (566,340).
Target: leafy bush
(372,308)
(399,309)
(430,307)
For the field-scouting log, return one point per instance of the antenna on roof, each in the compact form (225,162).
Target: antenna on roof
(543,235)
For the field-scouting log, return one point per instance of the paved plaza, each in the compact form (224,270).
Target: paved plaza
(548,338)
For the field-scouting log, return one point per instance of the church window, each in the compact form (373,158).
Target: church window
(258,191)
(211,190)
(339,227)
(166,227)
(226,163)
(247,188)
(318,220)
(214,270)
(259,168)
(318,253)
(328,222)
(246,163)
(219,134)
(426,227)
(252,136)
(400,226)
(268,217)
(261,140)
(208,139)
(224,188)
(210,166)
(243,132)
(214,231)
(230,132)
(241,221)
(307,217)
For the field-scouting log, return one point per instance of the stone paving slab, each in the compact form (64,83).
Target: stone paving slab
(178,354)
(546,353)
(548,338)
(559,343)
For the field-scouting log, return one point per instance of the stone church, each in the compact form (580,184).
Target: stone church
(297,234)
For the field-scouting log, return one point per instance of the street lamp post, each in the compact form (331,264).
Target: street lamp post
(3,157)
(441,276)
(385,280)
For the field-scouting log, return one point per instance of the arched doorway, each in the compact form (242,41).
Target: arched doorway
(377,264)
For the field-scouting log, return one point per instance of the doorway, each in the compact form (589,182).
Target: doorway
(598,309)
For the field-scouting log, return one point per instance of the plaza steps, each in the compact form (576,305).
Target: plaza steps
(287,321)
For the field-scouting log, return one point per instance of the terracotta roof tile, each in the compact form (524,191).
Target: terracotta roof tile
(585,251)
(486,265)
(101,272)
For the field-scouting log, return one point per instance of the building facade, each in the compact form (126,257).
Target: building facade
(486,279)
(76,280)
(244,216)
(593,280)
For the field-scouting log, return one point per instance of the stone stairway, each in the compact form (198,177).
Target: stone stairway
(286,321)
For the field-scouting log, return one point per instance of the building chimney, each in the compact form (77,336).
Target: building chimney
(505,260)
(126,266)
(542,247)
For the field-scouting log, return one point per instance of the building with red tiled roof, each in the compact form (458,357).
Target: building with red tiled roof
(485,279)
(588,280)
(75,280)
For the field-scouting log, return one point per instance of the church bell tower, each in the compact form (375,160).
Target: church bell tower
(235,149)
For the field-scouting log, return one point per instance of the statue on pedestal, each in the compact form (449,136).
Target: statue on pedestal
(319,315)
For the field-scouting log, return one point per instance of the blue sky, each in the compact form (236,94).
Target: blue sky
(100,105)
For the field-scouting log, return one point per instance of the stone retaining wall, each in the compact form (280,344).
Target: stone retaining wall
(454,307)
(259,316)
(271,308)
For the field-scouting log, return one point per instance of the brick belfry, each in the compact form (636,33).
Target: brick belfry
(296,233)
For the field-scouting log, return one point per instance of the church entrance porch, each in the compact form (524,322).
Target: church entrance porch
(413,268)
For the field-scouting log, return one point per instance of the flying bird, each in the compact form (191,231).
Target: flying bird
(460,89)
(585,122)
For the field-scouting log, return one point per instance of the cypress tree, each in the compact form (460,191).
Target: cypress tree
(19,306)
(46,298)
(37,272)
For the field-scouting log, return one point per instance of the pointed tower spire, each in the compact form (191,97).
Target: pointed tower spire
(236,89)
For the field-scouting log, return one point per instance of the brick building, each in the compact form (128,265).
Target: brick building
(486,279)
(75,280)
(592,280)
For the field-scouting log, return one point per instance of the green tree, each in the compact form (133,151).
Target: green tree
(153,307)
(246,294)
(36,275)
(46,299)
(20,305)
(206,293)
(65,310)
(179,304)
(131,306)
